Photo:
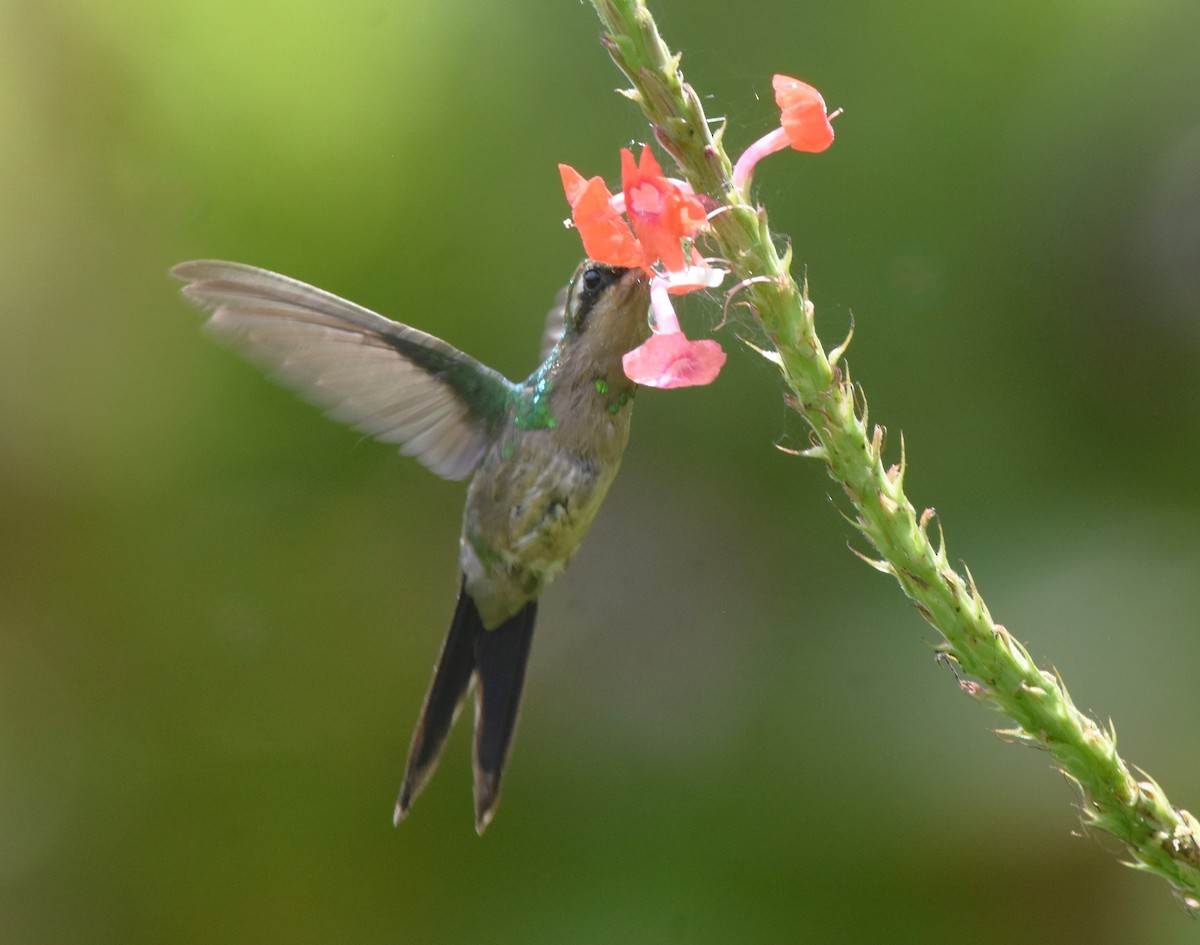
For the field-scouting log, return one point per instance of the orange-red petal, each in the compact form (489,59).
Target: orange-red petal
(804,115)
(573,183)
(661,214)
(606,237)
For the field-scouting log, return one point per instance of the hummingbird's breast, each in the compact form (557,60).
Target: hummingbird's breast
(544,477)
(529,505)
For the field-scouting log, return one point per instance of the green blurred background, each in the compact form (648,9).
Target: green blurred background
(218,610)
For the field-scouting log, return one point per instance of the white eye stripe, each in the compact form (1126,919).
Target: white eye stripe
(589,286)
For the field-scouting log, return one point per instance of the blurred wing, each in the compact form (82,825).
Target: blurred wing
(386,379)
(556,324)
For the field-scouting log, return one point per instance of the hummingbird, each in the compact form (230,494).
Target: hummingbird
(542,454)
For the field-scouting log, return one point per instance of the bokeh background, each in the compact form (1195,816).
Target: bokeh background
(219,610)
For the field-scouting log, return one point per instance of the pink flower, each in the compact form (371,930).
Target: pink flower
(804,126)
(668,358)
(671,360)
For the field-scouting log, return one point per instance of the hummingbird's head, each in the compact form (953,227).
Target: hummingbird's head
(605,316)
(606,309)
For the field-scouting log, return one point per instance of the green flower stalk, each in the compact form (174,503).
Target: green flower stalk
(995,668)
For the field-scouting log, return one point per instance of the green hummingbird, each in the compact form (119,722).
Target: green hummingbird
(543,452)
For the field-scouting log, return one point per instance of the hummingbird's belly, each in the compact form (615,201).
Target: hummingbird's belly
(524,521)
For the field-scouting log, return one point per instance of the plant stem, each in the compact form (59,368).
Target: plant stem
(996,669)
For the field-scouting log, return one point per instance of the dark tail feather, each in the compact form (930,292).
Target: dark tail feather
(451,679)
(500,658)
(496,660)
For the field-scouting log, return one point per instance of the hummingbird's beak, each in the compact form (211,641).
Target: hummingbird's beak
(636,275)
(632,283)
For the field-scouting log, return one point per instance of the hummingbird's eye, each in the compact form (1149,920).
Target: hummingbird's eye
(593,279)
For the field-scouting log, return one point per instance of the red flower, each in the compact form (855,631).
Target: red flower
(606,237)
(804,125)
(661,213)
(804,116)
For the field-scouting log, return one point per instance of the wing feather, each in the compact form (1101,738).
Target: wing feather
(386,379)
(556,324)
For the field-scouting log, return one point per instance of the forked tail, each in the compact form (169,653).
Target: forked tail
(495,660)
